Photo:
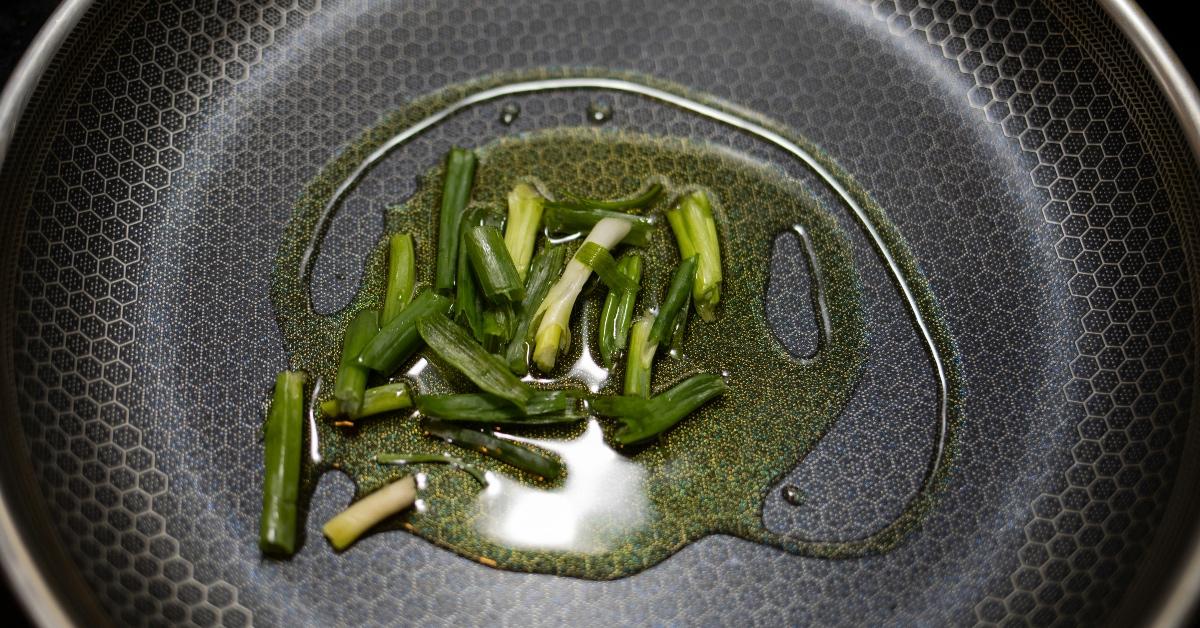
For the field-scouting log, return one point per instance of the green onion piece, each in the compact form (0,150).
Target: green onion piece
(696,233)
(487,444)
(677,296)
(468,304)
(399,339)
(525,207)
(636,202)
(563,220)
(617,315)
(363,514)
(281,483)
(493,266)
(351,379)
(498,324)
(644,419)
(457,463)
(456,347)
(679,327)
(553,316)
(376,400)
(547,265)
(602,263)
(401,275)
(544,407)
(640,359)
(456,192)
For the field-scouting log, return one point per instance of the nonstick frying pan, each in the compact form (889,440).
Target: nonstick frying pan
(1036,158)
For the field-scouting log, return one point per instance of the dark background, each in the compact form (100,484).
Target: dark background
(20,21)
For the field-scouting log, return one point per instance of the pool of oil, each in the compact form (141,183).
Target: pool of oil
(619,511)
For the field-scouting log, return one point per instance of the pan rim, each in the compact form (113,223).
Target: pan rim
(45,605)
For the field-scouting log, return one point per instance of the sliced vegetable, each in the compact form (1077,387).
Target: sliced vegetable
(554,314)
(641,358)
(399,339)
(456,347)
(602,263)
(493,266)
(351,379)
(456,192)
(498,324)
(468,303)
(457,463)
(639,201)
(525,207)
(401,276)
(544,407)
(617,314)
(281,483)
(679,327)
(487,444)
(564,220)
(696,233)
(362,515)
(644,419)
(547,265)
(673,302)
(376,400)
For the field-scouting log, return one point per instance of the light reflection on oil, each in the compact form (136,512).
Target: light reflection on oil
(601,502)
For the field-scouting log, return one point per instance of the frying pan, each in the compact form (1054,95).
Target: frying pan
(1037,158)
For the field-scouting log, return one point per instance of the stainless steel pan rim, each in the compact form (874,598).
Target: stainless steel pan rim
(42,602)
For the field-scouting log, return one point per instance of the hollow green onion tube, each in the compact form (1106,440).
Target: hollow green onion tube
(456,347)
(493,266)
(525,207)
(456,192)
(634,202)
(544,407)
(364,514)
(640,361)
(643,419)
(487,444)
(602,263)
(673,302)
(401,276)
(468,304)
(696,234)
(399,339)
(679,327)
(564,220)
(617,314)
(376,400)
(498,324)
(553,316)
(546,267)
(281,484)
(351,379)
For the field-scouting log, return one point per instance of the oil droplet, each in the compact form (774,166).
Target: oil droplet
(599,111)
(793,495)
(509,113)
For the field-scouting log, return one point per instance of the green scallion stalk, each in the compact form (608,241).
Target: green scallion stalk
(679,327)
(525,207)
(602,263)
(468,303)
(351,379)
(364,514)
(640,201)
(376,400)
(564,220)
(457,463)
(544,407)
(546,267)
(696,234)
(498,324)
(673,302)
(553,316)
(617,314)
(399,339)
(281,482)
(493,266)
(401,276)
(461,351)
(456,192)
(640,361)
(644,419)
(487,444)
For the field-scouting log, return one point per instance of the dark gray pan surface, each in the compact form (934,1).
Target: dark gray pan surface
(1022,151)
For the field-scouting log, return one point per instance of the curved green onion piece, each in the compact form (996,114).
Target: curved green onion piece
(545,407)
(351,379)
(617,315)
(636,202)
(376,400)
(525,207)
(456,192)
(696,233)
(673,302)
(399,339)
(401,275)
(487,444)
(457,463)
(602,263)
(493,265)
(362,515)
(644,419)
(562,220)
(640,360)
(456,347)
(546,266)
(281,483)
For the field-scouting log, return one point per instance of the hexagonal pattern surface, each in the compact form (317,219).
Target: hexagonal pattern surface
(1036,177)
